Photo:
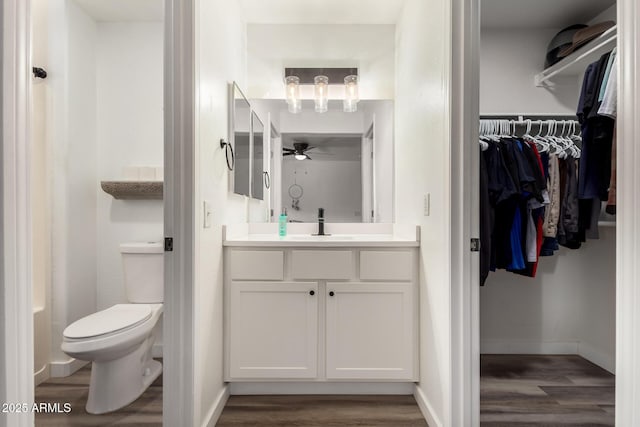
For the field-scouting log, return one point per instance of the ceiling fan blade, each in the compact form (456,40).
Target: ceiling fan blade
(288,149)
(289,154)
(309,158)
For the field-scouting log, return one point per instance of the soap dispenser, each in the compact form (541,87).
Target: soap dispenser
(282,223)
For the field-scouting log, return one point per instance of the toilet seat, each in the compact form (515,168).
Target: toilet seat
(118,318)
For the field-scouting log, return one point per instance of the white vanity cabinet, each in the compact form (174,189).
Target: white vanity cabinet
(369,331)
(273,330)
(321,314)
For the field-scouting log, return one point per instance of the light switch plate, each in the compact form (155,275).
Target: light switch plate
(427,204)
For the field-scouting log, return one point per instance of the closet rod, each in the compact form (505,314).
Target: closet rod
(523,117)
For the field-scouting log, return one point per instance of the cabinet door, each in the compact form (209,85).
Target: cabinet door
(273,330)
(370,331)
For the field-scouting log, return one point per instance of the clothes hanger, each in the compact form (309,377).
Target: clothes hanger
(539,142)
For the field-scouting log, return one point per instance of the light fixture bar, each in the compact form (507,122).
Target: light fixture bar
(306,75)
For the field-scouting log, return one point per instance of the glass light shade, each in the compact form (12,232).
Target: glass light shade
(351,97)
(300,156)
(321,93)
(295,107)
(294,102)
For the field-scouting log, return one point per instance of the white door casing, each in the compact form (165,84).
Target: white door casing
(16,351)
(465,273)
(628,220)
(178,406)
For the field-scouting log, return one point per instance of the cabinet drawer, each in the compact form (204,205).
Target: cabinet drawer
(386,265)
(257,265)
(322,265)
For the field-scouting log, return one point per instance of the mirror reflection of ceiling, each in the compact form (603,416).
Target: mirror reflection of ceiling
(123,10)
(321,11)
(328,147)
(551,14)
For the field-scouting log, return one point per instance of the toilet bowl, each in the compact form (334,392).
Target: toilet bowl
(118,340)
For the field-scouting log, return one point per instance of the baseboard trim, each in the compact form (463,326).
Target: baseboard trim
(216,409)
(426,408)
(253,388)
(529,347)
(595,356)
(42,375)
(156,350)
(66,368)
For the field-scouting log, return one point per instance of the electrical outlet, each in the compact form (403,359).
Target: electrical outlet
(427,204)
(206,214)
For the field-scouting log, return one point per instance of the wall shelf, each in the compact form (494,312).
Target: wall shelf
(576,63)
(133,190)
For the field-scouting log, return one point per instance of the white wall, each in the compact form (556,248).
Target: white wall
(40,178)
(129,132)
(370,48)
(422,143)
(72,36)
(335,186)
(509,60)
(570,307)
(333,121)
(220,58)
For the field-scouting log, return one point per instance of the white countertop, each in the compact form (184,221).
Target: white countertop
(361,237)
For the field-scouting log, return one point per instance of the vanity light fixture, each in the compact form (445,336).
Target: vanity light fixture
(320,78)
(293,94)
(321,92)
(350,103)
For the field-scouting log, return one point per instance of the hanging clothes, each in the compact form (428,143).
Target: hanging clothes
(530,188)
(609,108)
(512,207)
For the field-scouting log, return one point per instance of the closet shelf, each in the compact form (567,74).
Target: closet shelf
(133,190)
(576,63)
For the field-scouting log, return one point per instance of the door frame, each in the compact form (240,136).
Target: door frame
(464,284)
(16,356)
(178,406)
(465,202)
(16,331)
(628,220)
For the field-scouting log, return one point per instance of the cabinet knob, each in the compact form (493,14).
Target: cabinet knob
(331,293)
(312,293)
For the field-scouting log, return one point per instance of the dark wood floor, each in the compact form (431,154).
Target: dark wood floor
(321,410)
(527,391)
(145,411)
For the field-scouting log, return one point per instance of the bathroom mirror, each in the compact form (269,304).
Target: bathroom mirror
(339,161)
(239,131)
(258,177)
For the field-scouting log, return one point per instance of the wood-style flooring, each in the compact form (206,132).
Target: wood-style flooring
(528,390)
(321,410)
(74,389)
(515,391)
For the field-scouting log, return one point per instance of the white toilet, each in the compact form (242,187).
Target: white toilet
(118,340)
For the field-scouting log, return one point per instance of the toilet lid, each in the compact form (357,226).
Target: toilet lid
(120,316)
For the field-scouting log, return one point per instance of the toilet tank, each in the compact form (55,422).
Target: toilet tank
(143,271)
